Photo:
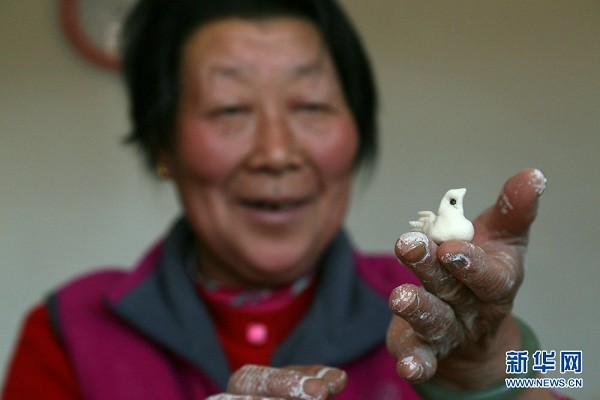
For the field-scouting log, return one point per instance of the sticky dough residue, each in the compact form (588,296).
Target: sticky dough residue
(261,381)
(414,368)
(538,181)
(297,389)
(504,204)
(401,295)
(418,363)
(411,240)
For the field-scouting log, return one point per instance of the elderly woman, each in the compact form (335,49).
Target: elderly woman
(259,112)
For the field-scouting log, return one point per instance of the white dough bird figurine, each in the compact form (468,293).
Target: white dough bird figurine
(450,222)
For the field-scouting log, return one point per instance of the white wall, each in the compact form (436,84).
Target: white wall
(471,92)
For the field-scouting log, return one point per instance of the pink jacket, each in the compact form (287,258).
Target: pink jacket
(145,334)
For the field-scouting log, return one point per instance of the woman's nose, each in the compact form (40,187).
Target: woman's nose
(275,145)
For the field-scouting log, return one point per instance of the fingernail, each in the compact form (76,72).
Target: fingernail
(334,380)
(412,246)
(312,388)
(538,181)
(415,370)
(401,298)
(459,261)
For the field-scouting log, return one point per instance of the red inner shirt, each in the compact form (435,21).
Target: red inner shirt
(251,331)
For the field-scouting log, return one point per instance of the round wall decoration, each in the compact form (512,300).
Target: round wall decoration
(93,26)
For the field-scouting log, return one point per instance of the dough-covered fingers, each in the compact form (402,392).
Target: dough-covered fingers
(287,383)
(429,316)
(515,209)
(334,378)
(226,396)
(492,272)
(418,252)
(416,359)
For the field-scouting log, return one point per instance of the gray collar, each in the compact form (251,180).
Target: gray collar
(345,321)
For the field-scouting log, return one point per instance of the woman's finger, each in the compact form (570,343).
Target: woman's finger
(335,378)
(430,317)
(493,273)
(515,209)
(416,359)
(226,396)
(257,380)
(418,252)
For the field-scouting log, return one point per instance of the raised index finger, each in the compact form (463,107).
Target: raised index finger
(515,209)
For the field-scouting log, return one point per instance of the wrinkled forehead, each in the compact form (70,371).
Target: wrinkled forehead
(239,49)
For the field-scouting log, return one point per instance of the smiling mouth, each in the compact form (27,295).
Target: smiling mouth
(269,205)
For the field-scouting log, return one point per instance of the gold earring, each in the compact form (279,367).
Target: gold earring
(162,171)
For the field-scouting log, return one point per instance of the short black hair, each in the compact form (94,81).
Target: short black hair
(156,30)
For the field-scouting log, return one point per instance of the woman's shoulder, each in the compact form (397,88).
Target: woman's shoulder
(39,357)
(111,282)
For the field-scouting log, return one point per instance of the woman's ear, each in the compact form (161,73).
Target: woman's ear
(164,165)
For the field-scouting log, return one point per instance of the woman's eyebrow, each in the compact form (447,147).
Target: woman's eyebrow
(310,69)
(228,71)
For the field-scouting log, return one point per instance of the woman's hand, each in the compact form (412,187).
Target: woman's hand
(311,382)
(458,326)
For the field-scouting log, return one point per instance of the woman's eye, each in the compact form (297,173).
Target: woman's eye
(313,107)
(234,109)
(229,110)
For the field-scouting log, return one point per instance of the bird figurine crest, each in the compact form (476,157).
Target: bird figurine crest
(449,223)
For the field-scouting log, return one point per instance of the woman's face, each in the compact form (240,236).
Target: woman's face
(264,148)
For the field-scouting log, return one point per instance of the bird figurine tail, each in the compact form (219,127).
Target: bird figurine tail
(426,219)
